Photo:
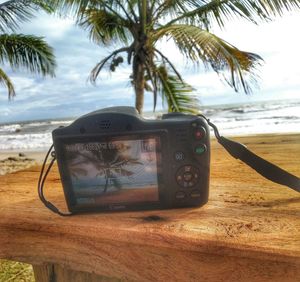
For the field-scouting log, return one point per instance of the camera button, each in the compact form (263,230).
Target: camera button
(187,168)
(179,156)
(200,149)
(180,195)
(199,133)
(179,178)
(187,176)
(196,124)
(195,194)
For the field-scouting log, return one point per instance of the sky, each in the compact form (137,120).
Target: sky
(70,94)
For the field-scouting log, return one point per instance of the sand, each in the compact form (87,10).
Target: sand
(11,161)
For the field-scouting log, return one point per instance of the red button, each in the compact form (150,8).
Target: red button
(198,134)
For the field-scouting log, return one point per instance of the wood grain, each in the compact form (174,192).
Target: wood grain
(249,230)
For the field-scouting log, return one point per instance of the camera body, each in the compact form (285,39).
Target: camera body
(113,159)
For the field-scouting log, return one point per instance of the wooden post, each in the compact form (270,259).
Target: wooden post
(57,273)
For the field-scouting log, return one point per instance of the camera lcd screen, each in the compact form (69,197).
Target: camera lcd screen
(114,171)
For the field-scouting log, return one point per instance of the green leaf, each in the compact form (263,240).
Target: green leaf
(4,79)
(14,12)
(104,26)
(207,12)
(177,93)
(199,45)
(27,51)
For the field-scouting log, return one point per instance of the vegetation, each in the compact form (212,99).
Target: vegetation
(15,271)
(138,26)
(19,50)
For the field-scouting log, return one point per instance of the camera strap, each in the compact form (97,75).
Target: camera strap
(262,166)
(42,180)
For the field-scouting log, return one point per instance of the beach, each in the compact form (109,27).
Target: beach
(232,120)
(14,160)
(24,144)
(11,161)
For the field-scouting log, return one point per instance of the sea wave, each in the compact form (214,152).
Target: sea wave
(25,141)
(276,117)
(10,128)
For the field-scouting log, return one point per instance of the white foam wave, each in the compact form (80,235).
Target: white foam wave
(25,141)
(231,120)
(10,127)
(59,122)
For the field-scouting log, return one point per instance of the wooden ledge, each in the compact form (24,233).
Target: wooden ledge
(250,229)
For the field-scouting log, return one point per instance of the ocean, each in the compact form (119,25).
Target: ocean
(232,120)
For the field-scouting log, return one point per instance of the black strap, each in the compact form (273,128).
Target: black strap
(41,183)
(263,167)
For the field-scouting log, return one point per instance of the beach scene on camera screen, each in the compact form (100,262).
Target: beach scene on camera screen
(116,171)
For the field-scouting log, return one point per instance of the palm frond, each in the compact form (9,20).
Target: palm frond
(219,11)
(14,12)
(177,93)
(77,8)
(4,79)
(168,62)
(199,45)
(27,51)
(171,8)
(107,60)
(104,26)
(72,7)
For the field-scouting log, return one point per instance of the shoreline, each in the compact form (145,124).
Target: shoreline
(15,160)
(38,154)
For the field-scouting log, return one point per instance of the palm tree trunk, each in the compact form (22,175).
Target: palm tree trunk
(139,86)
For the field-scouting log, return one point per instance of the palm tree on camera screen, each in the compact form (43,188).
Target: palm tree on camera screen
(111,163)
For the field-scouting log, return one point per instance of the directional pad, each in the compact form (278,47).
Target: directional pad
(187,176)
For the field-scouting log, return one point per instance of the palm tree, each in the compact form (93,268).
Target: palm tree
(139,25)
(19,50)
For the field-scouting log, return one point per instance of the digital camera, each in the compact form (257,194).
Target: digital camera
(113,159)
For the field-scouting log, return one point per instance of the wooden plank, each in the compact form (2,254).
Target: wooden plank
(181,266)
(249,230)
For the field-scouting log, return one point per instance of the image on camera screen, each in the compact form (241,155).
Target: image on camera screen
(117,171)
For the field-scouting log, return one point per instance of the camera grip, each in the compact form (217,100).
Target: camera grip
(263,167)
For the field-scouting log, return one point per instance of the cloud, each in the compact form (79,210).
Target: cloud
(49,26)
(70,94)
